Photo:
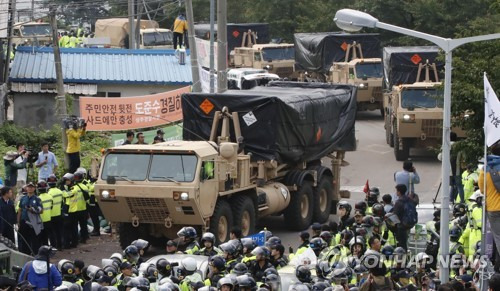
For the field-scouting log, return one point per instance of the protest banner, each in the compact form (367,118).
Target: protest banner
(108,114)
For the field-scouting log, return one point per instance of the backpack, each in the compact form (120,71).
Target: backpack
(495,177)
(410,215)
(388,286)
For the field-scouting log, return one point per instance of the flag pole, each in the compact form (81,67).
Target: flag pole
(483,285)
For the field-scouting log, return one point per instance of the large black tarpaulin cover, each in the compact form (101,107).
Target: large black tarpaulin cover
(286,121)
(235,33)
(401,64)
(315,52)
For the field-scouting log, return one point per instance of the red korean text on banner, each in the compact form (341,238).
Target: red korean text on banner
(108,114)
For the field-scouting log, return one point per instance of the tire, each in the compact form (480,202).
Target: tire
(323,195)
(299,213)
(387,127)
(221,221)
(392,130)
(401,155)
(127,234)
(244,214)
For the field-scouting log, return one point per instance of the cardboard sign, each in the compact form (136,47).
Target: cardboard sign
(108,114)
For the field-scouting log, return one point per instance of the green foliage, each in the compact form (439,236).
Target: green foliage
(91,143)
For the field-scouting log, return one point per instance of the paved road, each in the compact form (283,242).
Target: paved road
(374,161)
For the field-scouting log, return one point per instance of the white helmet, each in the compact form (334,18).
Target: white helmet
(61,263)
(422,256)
(476,195)
(189,264)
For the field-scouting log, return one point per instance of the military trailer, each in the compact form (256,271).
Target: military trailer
(245,154)
(343,58)
(414,104)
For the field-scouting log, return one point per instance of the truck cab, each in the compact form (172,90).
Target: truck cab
(156,38)
(247,78)
(277,59)
(32,34)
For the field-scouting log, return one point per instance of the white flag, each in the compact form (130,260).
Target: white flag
(491,114)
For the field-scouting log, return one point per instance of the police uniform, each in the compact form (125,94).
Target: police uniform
(81,213)
(279,262)
(46,216)
(192,248)
(185,284)
(31,239)
(71,223)
(93,208)
(57,216)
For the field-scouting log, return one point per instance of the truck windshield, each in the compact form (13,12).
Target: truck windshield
(175,168)
(278,53)
(124,166)
(421,98)
(33,30)
(157,38)
(369,70)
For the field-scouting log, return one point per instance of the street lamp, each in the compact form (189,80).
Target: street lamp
(353,20)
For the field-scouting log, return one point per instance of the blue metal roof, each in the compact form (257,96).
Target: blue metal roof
(101,66)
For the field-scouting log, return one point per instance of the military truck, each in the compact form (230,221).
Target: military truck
(277,59)
(414,104)
(247,78)
(32,33)
(117,30)
(245,154)
(343,58)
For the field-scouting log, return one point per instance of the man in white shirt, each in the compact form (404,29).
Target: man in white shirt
(46,162)
(22,174)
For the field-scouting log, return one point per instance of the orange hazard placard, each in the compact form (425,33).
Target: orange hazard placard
(206,106)
(108,114)
(416,59)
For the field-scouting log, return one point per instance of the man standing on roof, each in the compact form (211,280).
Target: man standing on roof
(180,26)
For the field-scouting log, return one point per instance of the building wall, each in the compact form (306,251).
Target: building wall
(38,109)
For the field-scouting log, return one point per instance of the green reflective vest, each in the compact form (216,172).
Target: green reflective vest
(46,200)
(57,200)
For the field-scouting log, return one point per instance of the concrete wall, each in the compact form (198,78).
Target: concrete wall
(38,109)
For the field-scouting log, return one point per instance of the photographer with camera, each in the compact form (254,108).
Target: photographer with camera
(408,177)
(75,129)
(46,162)
(11,166)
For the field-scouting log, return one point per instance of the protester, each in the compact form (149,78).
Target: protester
(8,213)
(408,177)
(130,138)
(140,138)
(40,273)
(22,174)
(160,135)
(46,162)
(180,26)
(11,166)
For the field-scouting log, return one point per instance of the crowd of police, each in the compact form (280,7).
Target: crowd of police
(56,211)
(73,39)
(360,252)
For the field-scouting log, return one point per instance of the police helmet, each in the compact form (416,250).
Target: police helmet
(298,287)
(52,180)
(187,232)
(323,269)
(320,286)
(273,280)
(378,210)
(131,253)
(317,244)
(68,176)
(229,248)
(78,176)
(261,251)
(267,234)
(368,221)
(141,244)
(248,244)
(303,274)
(164,267)
(189,264)
(345,205)
(270,270)
(377,221)
(225,281)
(459,209)
(218,262)
(208,236)
(42,186)
(67,268)
(246,282)
(326,235)
(272,241)
(240,269)
(117,259)
(357,241)
(388,250)
(347,235)
(110,271)
(361,206)
(455,232)
(237,244)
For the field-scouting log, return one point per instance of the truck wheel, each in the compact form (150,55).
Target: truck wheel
(127,234)
(392,130)
(387,127)
(323,195)
(401,155)
(221,221)
(298,214)
(244,214)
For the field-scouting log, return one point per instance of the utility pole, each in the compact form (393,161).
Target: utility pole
(32,10)
(138,26)
(192,47)
(131,27)
(222,45)
(10,32)
(212,37)
(62,111)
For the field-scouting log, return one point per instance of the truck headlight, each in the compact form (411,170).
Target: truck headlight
(363,86)
(105,194)
(185,196)
(409,118)
(108,194)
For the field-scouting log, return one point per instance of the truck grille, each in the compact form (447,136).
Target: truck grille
(432,127)
(377,93)
(149,210)
(284,70)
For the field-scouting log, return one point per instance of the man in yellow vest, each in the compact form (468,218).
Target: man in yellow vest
(46,214)
(82,192)
(64,40)
(56,213)
(92,206)
(180,26)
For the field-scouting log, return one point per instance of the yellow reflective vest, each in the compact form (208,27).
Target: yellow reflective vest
(57,200)
(46,200)
(71,200)
(77,190)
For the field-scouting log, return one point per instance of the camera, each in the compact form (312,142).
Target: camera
(74,122)
(32,157)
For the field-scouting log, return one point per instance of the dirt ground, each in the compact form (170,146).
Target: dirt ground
(96,249)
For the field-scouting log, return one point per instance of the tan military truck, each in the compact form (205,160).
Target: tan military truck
(277,59)
(343,58)
(32,34)
(414,106)
(232,168)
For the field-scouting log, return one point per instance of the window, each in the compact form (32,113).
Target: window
(114,94)
(207,170)
(100,94)
(178,168)
(369,70)
(125,166)
(278,54)
(422,98)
